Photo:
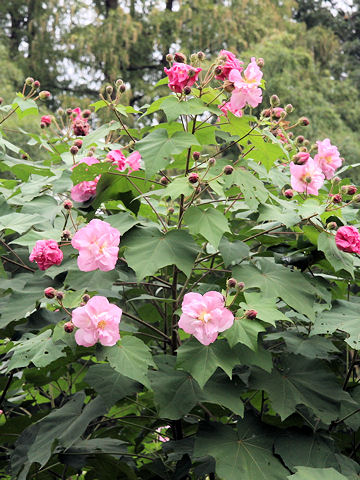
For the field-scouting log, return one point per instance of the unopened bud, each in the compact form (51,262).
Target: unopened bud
(218,70)
(122,88)
(337,198)
(86,298)
(274,101)
(193,58)
(228,169)
(36,84)
(164,181)
(59,296)
(29,81)
(171,210)
(300,139)
(332,226)
(201,56)
(69,111)
(212,161)
(260,62)
(304,121)
(289,108)
(356,198)
(231,283)
(24,156)
(60,111)
(300,158)
(66,234)
(86,113)
(74,150)
(251,314)
(119,82)
(193,177)
(349,189)
(169,58)
(180,57)
(78,143)
(290,134)
(240,286)
(109,90)
(68,204)
(196,155)
(289,193)
(336,180)
(266,113)
(44,94)
(187,90)
(306,142)
(42,125)
(69,327)
(50,292)
(308,179)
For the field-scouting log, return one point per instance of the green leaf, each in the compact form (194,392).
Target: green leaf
(299,381)
(285,215)
(261,357)
(131,357)
(252,188)
(265,152)
(123,221)
(244,331)
(72,299)
(238,125)
(338,260)
(156,105)
(310,347)
(173,108)
(210,223)
(220,390)
(86,173)
(244,453)
(266,308)
(98,105)
(202,360)
(148,250)
(157,148)
(308,473)
(175,391)
(110,384)
(26,107)
(179,186)
(233,252)
(37,349)
(91,280)
(277,281)
(20,222)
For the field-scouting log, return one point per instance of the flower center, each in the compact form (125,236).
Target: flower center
(101,324)
(204,317)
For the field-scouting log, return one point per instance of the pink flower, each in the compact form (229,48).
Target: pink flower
(347,239)
(204,316)
(232,63)
(328,158)
(246,87)
(83,191)
(181,75)
(301,157)
(98,245)
(80,124)
(278,111)
(306,178)
(46,119)
(46,253)
(245,95)
(98,320)
(227,107)
(77,111)
(132,162)
(161,430)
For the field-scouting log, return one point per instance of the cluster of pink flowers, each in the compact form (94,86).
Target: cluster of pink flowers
(204,316)
(97,320)
(308,175)
(80,124)
(347,239)
(132,162)
(83,191)
(181,75)
(46,253)
(98,245)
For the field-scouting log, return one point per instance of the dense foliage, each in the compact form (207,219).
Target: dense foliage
(237,309)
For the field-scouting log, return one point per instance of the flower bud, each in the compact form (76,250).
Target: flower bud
(29,81)
(42,125)
(289,108)
(337,198)
(304,121)
(44,94)
(308,179)
(266,113)
(251,314)
(59,296)
(187,90)
(169,58)
(69,111)
(193,177)
(336,180)
(171,210)
(356,198)
(201,56)
(66,234)
(68,204)
(74,150)
(289,193)
(24,156)
(119,82)
(332,226)
(78,143)
(86,298)
(231,283)
(228,169)
(164,181)
(212,161)
(50,292)
(86,113)
(300,139)
(191,73)
(122,88)
(290,134)
(218,70)
(109,89)
(301,157)
(180,57)
(36,84)
(193,58)
(260,62)
(240,286)
(196,155)
(60,111)
(69,327)
(349,189)
(274,101)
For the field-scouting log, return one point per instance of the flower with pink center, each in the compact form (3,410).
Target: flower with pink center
(98,245)
(181,75)
(328,158)
(83,191)
(132,162)
(227,107)
(46,253)
(97,320)
(347,239)
(204,316)
(307,177)
(246,86)
(46,119)
(232,63)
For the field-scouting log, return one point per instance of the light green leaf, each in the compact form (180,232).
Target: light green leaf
(252,188)
(338,260)
(238,125)
(285,215)
(210,223)
(244,331)
(26,107)
(265,152)
(173,108)
(233,252)
(20,222)
(123,221)
(266,308)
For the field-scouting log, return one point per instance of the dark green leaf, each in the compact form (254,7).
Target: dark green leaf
(338,260)
(210,223)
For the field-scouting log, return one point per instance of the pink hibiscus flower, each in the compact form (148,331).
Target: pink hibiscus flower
(307,177)
(181,75)
(328,158)
(232,63)
(132,162)
(83,191)
(347,239)
(46,253)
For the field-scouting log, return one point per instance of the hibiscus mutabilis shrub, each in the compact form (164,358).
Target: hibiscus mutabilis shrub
(178,297)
